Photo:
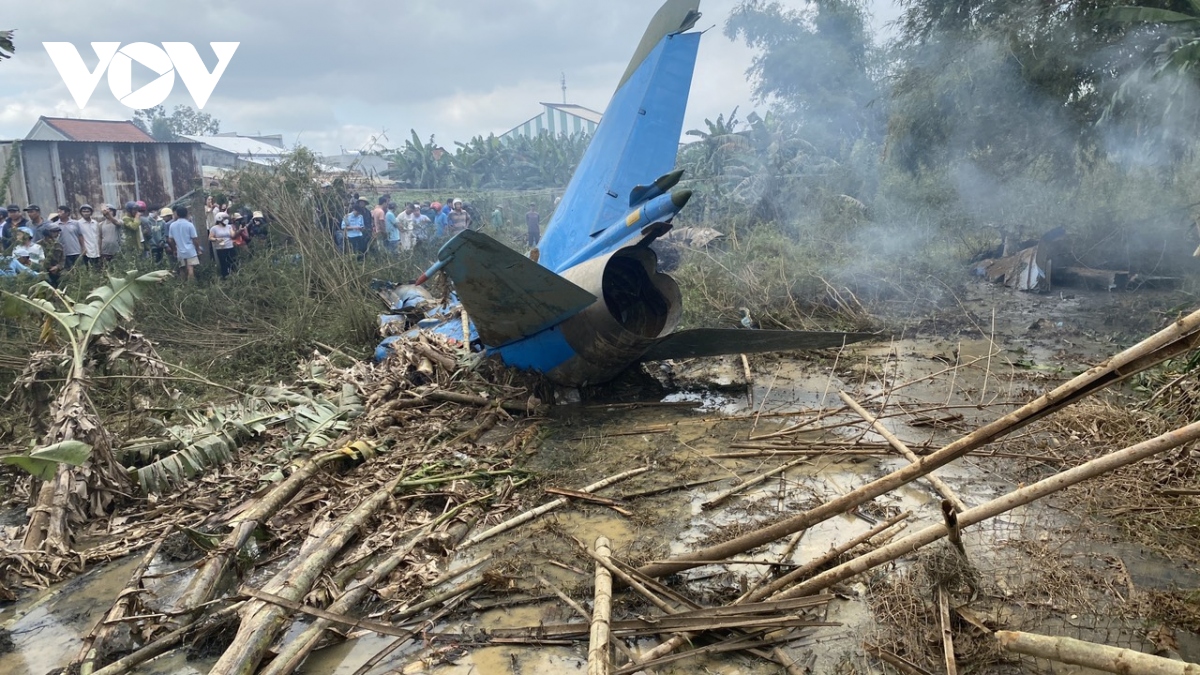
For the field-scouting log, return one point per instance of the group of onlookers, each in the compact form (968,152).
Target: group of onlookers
(354,225)
(31,244)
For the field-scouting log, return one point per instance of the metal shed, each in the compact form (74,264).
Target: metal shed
(69,161)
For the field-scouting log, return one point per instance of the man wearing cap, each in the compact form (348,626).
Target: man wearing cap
(69,237)
(89,236)
(14,220)
(56,258)
(187,243)
(110,232)
(36,223)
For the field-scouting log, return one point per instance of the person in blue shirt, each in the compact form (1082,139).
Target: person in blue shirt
(353,227)
(442,220)
(392,225)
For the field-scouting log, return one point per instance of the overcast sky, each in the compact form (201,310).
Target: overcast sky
(334,75)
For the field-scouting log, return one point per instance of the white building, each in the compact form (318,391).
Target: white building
(235,152)
(556,119)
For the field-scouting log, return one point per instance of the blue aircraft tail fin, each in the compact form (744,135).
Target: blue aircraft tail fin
(507,295)
(637,139)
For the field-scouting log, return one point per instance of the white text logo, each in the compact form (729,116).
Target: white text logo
(172,57)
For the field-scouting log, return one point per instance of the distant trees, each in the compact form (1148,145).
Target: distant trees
(7,49)
(182,120)
(514,163)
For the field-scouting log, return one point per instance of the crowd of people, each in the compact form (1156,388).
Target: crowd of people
(356,226)
(33,245)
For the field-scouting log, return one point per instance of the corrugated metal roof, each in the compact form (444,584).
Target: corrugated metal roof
(239,145)
(577,110)
(104,131)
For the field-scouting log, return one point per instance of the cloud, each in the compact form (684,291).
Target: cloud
(337,74)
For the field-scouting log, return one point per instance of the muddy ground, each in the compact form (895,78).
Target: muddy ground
(1052,567)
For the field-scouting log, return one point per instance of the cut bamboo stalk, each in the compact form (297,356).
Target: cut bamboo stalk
(1181,336)
(613,504)
(583,614)
(292,654)
(947,636)
(953,528)
(162,644)
(751,482)
(1092,655)
(783,558)
(790,665)
(937,483)
(546,508)
(820,561)
(203,586)
(752,644)
(692,610)
(749,380)
(399,642)
(468,399)
(106,627)
(261,621)
(987,510)
(599,662)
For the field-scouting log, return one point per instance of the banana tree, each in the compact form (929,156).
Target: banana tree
(78,336)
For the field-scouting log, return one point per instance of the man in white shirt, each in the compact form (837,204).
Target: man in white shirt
(89,235)
(186,243)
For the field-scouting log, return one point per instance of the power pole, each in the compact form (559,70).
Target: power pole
(564,88)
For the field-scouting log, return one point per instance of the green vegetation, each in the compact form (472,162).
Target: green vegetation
(491,163)
(183,119)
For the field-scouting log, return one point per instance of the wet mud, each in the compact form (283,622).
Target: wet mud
(996,352)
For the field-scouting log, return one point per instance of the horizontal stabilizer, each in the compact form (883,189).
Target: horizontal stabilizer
(507,295)
(717,341)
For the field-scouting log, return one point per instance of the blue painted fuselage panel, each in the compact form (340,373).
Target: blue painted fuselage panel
(542,352)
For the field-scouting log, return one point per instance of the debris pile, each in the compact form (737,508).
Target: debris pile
(371,499)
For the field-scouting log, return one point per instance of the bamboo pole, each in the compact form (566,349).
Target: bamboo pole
(106,627)
(292,654)
(937,483)
(599,661)
(204,584)
(529,515)
(161,645)
(1181,336)
(469,399)
(947,636)
(583,614)
(1092,655)
(820,561)
(1012,500)
(261,621)
(751,482)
